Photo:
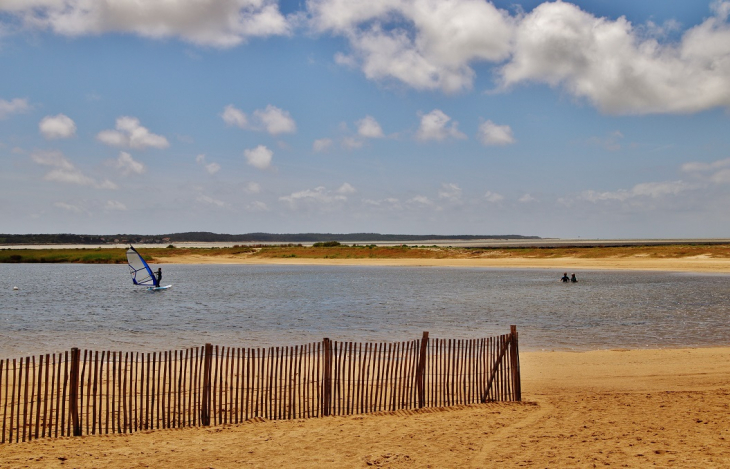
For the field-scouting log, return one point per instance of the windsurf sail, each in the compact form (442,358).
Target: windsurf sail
(141,272)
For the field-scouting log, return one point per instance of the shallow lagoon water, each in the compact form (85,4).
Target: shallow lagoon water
(96,306)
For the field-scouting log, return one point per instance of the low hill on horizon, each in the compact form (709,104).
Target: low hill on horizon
(209,237)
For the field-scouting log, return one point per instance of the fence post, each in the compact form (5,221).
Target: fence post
(73,396)
(420,371)
(515,364)
(327,377)
(205,407)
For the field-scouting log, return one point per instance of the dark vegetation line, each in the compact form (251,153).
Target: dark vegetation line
(204,236)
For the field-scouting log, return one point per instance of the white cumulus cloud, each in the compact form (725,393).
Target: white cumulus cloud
(617,66)
(697,166)
(211,168)
(65,172)
(217,23)
(493,197)
(271,119)
(207,200)
(129,133)
(276,121)
(435,126)
(610,64)
(321,145)
(654,190)
(368,127)
(493,134)
(59,126)
(450,192)
(52,158)
(114,206)
(128,165)
(69,207)
(259,157)
(352,143)
(257,206)
(425,44)
(717,172)
(319,197)
(346,188)
(527,198)
(234,117)
(14,106)
(420,200)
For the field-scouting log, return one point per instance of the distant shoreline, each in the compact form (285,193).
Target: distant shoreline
(702,256)
(466,243)
(719,266)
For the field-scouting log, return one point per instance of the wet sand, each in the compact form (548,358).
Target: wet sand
(619,408)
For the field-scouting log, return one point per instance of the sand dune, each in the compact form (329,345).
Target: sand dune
(619,408)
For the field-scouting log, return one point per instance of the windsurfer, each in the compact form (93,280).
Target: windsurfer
(159,276)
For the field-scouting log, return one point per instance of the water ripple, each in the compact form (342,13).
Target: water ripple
(63,306)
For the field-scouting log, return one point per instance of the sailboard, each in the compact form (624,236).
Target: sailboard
(141,272)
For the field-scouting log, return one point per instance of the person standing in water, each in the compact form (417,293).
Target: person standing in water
(573,279)
(159,276)
(565,277)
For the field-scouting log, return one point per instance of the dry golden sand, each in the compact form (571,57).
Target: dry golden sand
(633,408)
(686,264)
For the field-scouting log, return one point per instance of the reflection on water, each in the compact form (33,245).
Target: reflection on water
(95,306)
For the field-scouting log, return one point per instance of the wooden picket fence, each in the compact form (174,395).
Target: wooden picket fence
(85,393)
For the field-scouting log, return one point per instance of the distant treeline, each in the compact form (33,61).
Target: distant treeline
(203,236)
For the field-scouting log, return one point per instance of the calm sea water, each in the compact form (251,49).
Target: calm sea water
(95,306)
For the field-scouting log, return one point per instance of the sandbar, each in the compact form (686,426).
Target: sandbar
(624,408)
(567,264)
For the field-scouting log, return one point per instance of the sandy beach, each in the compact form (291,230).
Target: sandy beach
(604,408)
(686,264)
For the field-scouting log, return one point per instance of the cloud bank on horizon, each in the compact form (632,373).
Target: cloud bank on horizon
(422,116)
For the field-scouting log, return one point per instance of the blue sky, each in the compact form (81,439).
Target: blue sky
(594,119)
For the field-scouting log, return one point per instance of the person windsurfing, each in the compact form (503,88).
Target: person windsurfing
(158,274)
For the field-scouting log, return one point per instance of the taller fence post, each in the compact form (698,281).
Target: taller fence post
(205,407)
(327,377)
(515,364)
(73,396)
(420,374)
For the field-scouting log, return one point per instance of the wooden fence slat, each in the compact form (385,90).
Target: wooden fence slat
(16,380)
(109,391)
(45,396)
(4,397)
(277,384)
(205,404)
(299,381)
(28,403)
(220,362)
(154,394)
(387,380)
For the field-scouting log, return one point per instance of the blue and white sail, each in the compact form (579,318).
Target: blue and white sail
(141,272)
